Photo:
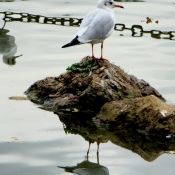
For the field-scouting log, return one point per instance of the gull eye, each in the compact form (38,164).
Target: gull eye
(110,3)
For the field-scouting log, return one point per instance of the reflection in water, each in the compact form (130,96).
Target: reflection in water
(8,47)
(87,168)
(148,147)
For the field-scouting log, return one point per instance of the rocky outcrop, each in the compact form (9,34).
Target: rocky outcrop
(100,90)
(87,86)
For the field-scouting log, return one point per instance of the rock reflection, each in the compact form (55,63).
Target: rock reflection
(87,168)
(148,147)
(8,47)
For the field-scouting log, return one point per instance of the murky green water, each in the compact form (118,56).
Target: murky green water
(43,144)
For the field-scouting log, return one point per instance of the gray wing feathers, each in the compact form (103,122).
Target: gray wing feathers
(96,25)
(85,23)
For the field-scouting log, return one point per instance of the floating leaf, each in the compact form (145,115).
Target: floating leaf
(13,140)
(149,20)
(18,98)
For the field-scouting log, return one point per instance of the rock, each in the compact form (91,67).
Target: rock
(128,101)
(149,115)
(87,86)
(101,102)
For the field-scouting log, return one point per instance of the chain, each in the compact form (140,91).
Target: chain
(26,17)
(136,30)
(154,33)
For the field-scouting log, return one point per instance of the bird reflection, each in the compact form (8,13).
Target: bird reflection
(98,145)
(87,168)
(8,47)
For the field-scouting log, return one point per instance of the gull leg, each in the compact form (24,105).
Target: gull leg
(98,152)
(101,58)
(92,50)
(101,51)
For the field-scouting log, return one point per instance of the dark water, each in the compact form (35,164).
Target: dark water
(33,141)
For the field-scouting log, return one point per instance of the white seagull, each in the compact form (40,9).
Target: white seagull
(96,26)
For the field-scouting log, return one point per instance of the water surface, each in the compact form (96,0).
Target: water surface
(43,145)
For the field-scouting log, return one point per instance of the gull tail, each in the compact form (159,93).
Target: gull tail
(72,43)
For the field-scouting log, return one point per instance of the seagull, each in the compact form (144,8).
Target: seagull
(96,26)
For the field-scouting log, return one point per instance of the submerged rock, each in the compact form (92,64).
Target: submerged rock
(80,93)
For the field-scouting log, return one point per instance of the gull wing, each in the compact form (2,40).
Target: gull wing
(97,25)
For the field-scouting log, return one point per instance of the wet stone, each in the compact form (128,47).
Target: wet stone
(101,90)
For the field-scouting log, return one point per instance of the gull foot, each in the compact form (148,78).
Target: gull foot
(103,59)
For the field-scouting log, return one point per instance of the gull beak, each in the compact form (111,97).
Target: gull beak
(119,6)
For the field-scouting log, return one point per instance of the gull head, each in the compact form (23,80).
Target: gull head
(108,4)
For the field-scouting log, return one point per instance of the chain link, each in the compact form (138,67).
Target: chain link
(25,17)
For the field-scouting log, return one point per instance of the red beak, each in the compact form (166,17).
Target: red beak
(119,6)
